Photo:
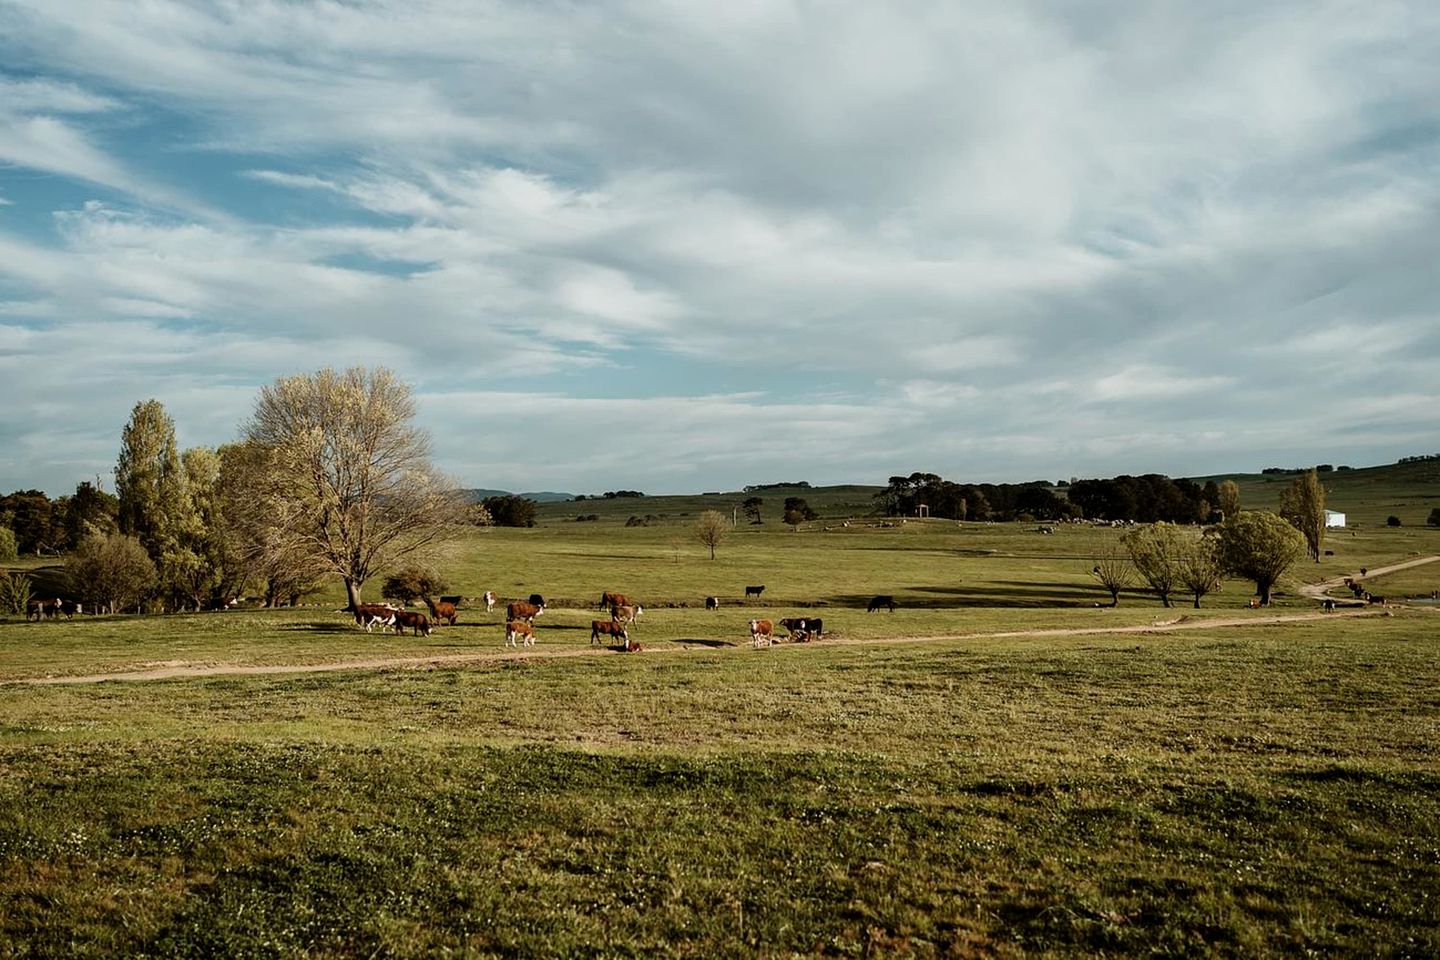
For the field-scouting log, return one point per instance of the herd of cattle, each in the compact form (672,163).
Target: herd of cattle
(520,618)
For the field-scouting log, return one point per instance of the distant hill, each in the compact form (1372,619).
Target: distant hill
(477,494)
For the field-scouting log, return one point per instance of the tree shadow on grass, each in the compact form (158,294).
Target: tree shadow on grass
(1017,594)
(706,642)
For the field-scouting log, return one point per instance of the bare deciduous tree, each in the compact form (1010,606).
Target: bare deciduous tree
(1113,570)
(711,529)
(347,474)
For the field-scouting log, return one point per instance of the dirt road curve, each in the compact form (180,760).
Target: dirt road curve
(177,671)
(1317,591)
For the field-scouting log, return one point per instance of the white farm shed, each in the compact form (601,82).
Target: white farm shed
(1334,518)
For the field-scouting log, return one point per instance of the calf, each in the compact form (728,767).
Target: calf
(519,610)
(762,633)
(368,615)
(754,591)
(712,603)
(518,628)
(608,628)
(802,627)
(626,614)
(414,619)
(881,601)
(442,611)
(490,599)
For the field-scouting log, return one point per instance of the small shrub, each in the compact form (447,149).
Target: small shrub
(1434,518)
(16,592)
(8,549)
(1392,521)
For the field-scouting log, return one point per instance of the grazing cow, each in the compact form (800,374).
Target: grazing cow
(626,614)
(518,628)
(754,591)
(1372,598)
(712,603)
(442,611)
(802,627)
(881,601)
(40,609)
(368,615)
(490,599)
(70,608)
(1329,605)
(414,619)
(608,599)
(536,599)
(762,633)
(519,610)
(456,600)
(608,628)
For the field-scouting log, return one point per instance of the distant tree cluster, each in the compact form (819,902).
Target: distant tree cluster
(970,501)
(510,511)
(1421,458)
(611,495)
(756,487)
(44,526)
(1149,498)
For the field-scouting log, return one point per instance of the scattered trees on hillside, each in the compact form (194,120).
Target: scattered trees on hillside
(1260,546)
(1302,503)
(1198,569)
(711,528)
(348,474)
(1229,503)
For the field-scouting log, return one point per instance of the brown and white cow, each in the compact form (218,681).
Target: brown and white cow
(608,628)
(625,614)
(712,603)
(442,611)
(414,619)
(520,610)
(40,609)
(368,615)
(762,633)
(518,628)
(490,599)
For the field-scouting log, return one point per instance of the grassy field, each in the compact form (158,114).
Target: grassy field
(943,780)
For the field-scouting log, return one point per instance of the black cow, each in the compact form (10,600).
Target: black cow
(881,601)
(712,603)
(754,591)
(536,599)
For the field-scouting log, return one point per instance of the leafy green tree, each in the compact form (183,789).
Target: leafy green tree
(155,503)
(1198,568)
(8,551)
(413,583)
(16,590)
(349,473)
(751,509)
(797,511)
(1260,546)
(255,546)
(32,517)
(1229,502)
(711,528)
(1303,504)
(111,572)
(509,511)
(1155,551)
(89,510)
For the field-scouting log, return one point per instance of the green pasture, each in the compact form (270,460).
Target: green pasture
(932,782)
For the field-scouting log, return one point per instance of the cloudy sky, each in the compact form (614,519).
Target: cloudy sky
(686,246)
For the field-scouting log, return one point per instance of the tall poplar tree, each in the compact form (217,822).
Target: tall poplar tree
(153,489)
(1303,504)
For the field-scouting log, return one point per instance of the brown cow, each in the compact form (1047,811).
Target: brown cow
(608,628)
(762,633)
(518,628)
(413,619)
(490,599)
(608,599)
(520,610)
(442,611)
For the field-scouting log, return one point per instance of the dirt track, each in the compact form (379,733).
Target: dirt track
(173,671)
